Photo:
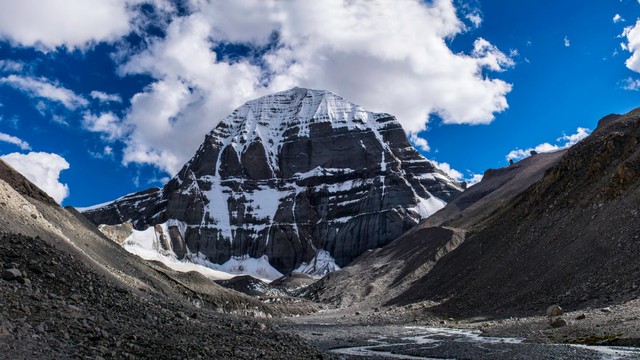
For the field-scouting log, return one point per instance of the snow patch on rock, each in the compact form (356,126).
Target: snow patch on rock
(322,264)
(148,245)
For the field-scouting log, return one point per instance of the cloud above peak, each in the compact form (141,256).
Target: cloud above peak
(386,56)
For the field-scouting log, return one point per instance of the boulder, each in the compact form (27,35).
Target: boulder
(558,322)
(11,274)
(554,310)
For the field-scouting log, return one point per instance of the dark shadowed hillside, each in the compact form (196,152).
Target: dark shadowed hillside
(554,228)
(572,238)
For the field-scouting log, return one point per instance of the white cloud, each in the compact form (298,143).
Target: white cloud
(59,120)
(386,56)
(519,154)
(491,57)
(631,84)
(71,23)
(104,97)
(573,139)
(419,142)
(567,43)
(617,18)
(43,88)
(453,173)
(11,66)
(107,123)
(471,180)
(565,141)
(107,152)
(632,33)
(43,169)
(474,179)
(15,140)
(475,19)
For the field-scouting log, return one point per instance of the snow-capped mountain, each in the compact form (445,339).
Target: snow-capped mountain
(302,176)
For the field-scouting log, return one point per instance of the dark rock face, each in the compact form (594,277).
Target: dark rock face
(289,175)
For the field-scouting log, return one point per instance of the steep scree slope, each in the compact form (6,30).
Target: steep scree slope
(68,291)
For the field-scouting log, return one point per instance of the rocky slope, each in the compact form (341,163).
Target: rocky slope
(69,292)
(566,233)
(301,176)
(572,238)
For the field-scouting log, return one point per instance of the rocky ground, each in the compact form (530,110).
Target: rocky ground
(53,306)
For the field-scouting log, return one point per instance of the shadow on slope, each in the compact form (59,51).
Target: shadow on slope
(572,238)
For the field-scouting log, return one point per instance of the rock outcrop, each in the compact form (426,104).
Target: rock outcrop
(291,175)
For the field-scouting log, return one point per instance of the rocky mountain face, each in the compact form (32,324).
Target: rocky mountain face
(559,228)
(378,277)
(302,176)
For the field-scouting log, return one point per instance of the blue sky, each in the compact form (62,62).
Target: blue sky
(95,106)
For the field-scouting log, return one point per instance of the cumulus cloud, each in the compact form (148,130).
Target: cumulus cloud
(107,124)
(446,167)
(617,18)
(563,142)
(474,179)
(15,140)
(570,140)
(419,142)
(43,169)
(632,34)
(567,43)
(471,179)
(519,154)
(104,97)
(386,56)
(71,23)
(45,89)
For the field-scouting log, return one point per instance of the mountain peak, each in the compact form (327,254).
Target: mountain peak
(297,175)
(299,107)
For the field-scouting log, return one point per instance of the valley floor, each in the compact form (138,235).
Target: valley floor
(411,334)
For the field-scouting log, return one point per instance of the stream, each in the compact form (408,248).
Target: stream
(421,342)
